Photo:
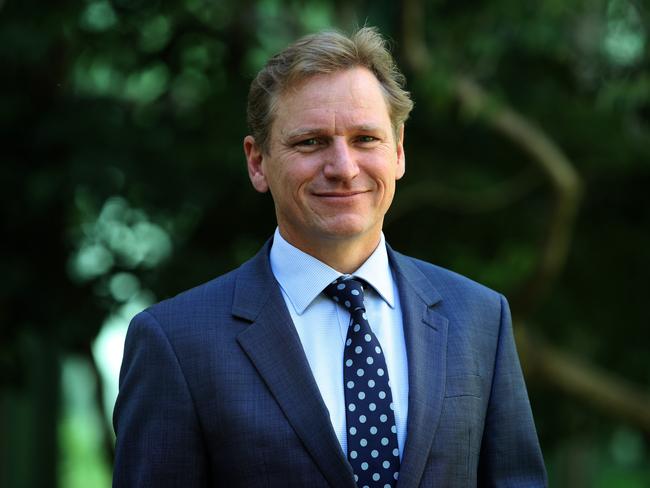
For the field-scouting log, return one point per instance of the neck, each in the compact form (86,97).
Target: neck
(345,256)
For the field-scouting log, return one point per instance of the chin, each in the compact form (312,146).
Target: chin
(349,228)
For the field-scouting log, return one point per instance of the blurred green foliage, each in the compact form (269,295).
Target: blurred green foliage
(124,182)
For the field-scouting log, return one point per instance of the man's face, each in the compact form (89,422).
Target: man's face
(332,161)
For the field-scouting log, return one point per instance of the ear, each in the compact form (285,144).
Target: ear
(254,158)
(401,158)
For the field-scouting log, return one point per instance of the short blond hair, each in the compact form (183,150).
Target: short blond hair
(325,53)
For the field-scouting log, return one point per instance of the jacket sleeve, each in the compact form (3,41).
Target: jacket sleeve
(159,441)
(510,453)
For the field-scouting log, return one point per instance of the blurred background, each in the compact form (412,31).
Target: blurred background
(124,182)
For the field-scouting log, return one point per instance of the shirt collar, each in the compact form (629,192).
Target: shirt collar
(303,277)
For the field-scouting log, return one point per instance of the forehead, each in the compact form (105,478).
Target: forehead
(350,96)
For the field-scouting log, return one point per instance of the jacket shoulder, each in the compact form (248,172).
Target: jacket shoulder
(210,299)
(212,302)
(450,284)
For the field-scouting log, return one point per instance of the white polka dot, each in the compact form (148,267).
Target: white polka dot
(352,407)
(382,394)
(356,478)
(387,485)
(356,327)
(393,429)
(363,442)
(364,466)
(395,453)
(364,316)
(358,349)
(355,292)
(348,342)
(384,441)
(371,383)
(374,453)
(391,406)
(350,384)
(373,430)
(375,476)
(347,303)
(353,454)
(340,286)
(383,417)
(353,430)
(361,395)
(367,337)
(380,372)
(378,349)
(360,372)
(386,464)
(362,419)
(369,360)
(372,407)
(348,363)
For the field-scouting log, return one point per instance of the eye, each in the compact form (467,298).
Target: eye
(308,142)
(366,139)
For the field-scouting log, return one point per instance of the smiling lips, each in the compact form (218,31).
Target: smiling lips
(339,194)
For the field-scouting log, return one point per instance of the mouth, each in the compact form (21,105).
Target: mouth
(339,194)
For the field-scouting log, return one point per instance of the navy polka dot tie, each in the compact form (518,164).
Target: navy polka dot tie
(371,431)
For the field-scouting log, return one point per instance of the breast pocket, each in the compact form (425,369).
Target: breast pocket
(463,385)
(455,450)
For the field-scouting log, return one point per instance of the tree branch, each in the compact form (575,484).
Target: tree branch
(605,391)
(414,47)
(566,184)
(611,394)
(490,199)
(564,180)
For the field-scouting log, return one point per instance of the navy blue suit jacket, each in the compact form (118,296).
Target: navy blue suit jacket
(215,390)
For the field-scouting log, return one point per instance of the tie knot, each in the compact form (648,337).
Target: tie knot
(347,292)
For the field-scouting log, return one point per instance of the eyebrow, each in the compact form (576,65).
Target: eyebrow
(303,131)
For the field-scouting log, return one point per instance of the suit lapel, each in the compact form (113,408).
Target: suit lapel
(273,346)
(425,333)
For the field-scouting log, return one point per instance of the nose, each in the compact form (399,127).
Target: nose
(340,163)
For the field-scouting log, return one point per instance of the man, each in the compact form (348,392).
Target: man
(328,359)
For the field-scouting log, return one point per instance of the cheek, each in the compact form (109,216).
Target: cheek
(389,191)
(383,173)
(300,175)
(288,187)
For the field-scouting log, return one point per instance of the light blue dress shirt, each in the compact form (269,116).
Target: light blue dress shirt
(322,325)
